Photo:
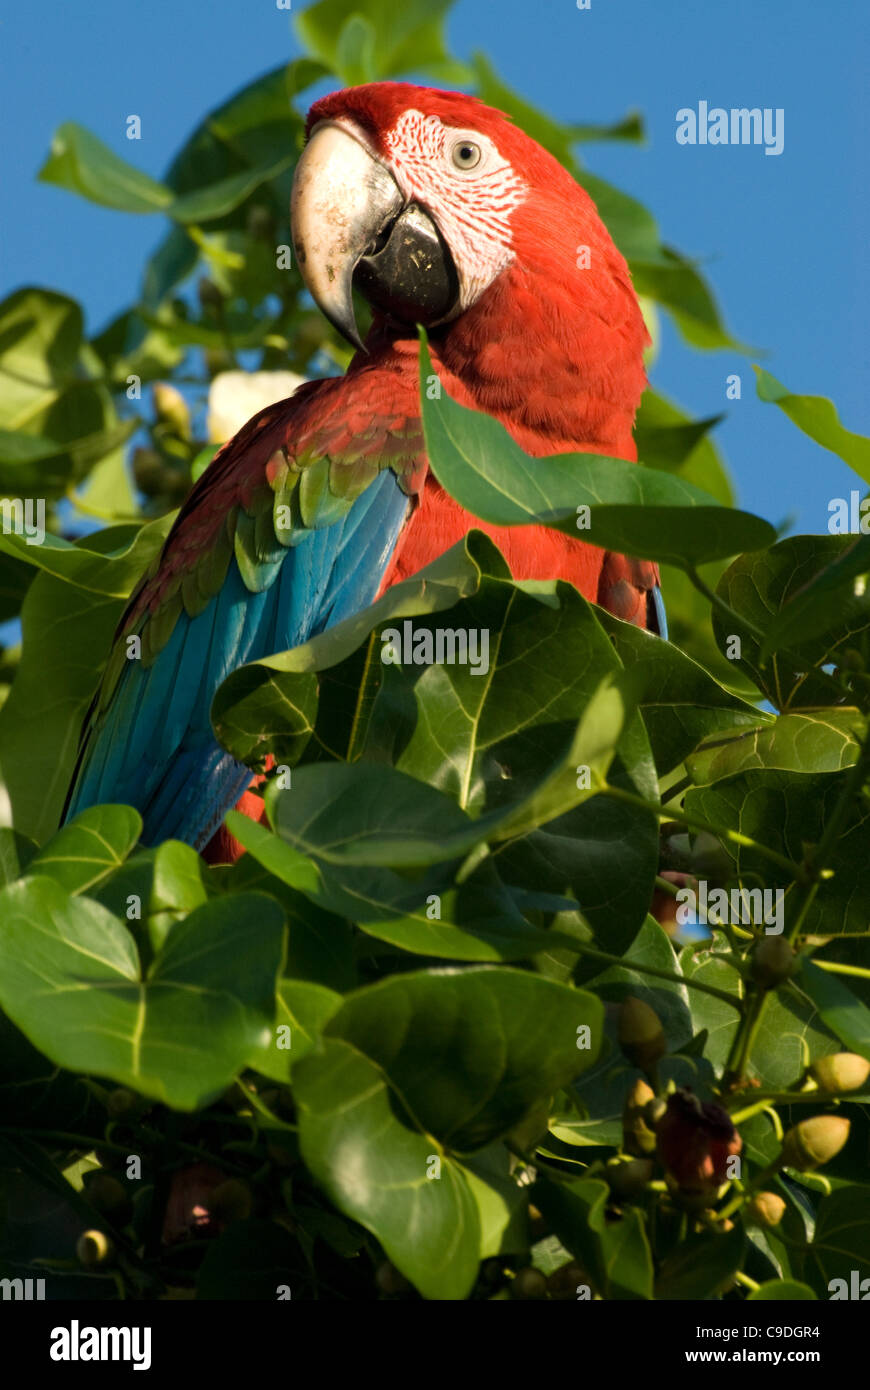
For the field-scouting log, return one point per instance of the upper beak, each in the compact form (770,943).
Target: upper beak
(347,211)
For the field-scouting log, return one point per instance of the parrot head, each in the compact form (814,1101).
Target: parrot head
(439,210)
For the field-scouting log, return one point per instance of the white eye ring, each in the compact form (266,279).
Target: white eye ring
(466,154)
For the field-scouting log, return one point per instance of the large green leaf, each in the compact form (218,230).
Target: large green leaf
(81,162)
(89,848)
(702,1266)
(70,978)
(640,511)
(841,1241)
(615,1253)
(847,1017)
(379,1168)
(470,1050)
(809,741)
(774,582)
(786,811)
(817,417)
(406,38)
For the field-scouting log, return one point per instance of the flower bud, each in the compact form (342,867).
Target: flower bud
(638,1135)
(627,1177)
(765,1209)
(94,1248)
(122,1103)
(841,1071)
(640,1033)
(171,408)
(695,1142)
(773,961)
(664,905)
(813,1142)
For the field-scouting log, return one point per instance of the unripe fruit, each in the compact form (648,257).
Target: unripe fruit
(171,407)
(109,1197)
(626,1177)
(638,1136)
(529,1283)
(842,1071)
(813,1142)
(640,1033)
(773,961)
(231,1201)
(563,1283)
(93,1248)
(765,1209)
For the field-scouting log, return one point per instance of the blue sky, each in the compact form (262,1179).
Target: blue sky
(783,239)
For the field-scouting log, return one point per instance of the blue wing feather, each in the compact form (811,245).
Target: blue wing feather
(155,748)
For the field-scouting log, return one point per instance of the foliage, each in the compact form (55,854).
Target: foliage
(387,1053)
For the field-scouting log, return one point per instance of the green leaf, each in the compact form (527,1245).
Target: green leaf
(70,978)
(788,811)
(217,199)
(374,1164)
(402,39)
(89,848)
(177,887)
(830,607)
(677,285)
(640,511)
(781,1291)
(615,1253)
(846,1016)
(471,1050)
(82,163)
(817,417)
(680,702)
(251,1260)
(702,1266)
(811,741)
(770,584)
(304,1009)
(841,1242)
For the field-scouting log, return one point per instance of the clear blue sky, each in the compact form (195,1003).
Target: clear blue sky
(783,239)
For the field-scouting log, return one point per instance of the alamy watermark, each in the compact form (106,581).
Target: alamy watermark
(734,907)
(23,517)
(443,646)
(739,125)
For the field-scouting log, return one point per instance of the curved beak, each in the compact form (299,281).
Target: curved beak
(348,215)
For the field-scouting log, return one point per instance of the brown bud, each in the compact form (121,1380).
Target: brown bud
(841,1071)
(773,961)
(627,1177)
(664,905)
(638,1135)
(94,1248)
(640,1033)
(765,1209)
(813,1142)
(695,1142)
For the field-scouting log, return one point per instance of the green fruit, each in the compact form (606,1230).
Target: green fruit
(765,1209)
(773,961)
(627,1177)
(841,1072)
(391,1280)
(813,1142)
(93,1249)
(230,1201)
(563,1283)
(638,1136)
(109,1197)
(640,1033)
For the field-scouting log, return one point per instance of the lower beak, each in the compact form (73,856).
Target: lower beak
(351,227)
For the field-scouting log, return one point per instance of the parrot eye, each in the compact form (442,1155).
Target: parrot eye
(466,154)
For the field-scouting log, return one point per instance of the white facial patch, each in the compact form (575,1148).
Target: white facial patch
(471,206)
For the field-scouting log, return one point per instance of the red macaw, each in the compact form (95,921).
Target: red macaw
(439,211)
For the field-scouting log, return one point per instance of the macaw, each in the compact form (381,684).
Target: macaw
(439,211)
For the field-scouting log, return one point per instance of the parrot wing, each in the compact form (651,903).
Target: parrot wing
(288,531)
